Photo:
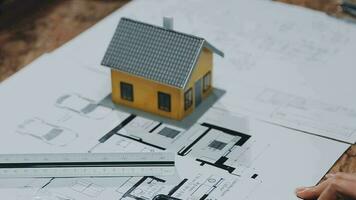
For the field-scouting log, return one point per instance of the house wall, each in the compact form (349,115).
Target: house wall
(204,65)
(145,95)
(145,91)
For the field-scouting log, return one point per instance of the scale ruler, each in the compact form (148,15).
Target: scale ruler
(86,165)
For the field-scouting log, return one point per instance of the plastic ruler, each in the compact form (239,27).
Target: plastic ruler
(86,164)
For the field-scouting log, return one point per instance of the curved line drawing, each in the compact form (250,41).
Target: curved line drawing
(82,106)
(47,132)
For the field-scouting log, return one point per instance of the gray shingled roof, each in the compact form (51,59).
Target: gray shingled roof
(154,53)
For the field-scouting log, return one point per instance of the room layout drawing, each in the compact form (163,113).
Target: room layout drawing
(201,186)
(216,146)
(151,132)
(298,112)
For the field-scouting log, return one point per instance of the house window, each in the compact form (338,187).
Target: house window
(164,101)
(126,91)
(188,99)
(206,81)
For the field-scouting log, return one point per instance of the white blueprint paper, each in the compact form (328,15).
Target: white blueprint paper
(47,108)
(53,106)
(223,156)
(308,54)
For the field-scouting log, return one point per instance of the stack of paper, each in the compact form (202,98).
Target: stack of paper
(285,119)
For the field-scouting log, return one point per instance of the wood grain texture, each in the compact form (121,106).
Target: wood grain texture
(329,6)
(51,25)
(45,28)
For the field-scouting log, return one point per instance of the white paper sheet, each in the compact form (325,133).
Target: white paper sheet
(53,93)
(228,156)
(252,161)
(307,54)
(38,116)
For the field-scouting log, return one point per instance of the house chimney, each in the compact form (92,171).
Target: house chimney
(168,23)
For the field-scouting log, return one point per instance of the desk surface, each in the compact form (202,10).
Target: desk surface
(54,24)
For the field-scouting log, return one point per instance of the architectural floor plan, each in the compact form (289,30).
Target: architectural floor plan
(298,112)
(224,155)
(221,155)
(262,50)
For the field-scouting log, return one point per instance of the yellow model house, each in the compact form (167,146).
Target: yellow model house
(159,70)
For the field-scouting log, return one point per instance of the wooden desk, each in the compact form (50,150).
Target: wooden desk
(54,24)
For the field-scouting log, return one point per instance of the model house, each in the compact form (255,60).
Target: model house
(159,70)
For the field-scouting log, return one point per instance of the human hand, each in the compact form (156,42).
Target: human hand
(335,186)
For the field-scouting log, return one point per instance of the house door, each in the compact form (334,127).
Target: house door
(198,92)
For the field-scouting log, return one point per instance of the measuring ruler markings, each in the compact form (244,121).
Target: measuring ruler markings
(86,165)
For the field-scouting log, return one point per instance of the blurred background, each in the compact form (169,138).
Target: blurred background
(29,28)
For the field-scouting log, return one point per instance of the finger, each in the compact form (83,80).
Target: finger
(311,192)
(342,175)
(338,186)
(329,193)
(346,188)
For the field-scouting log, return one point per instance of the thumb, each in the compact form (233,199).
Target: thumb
(311,192)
